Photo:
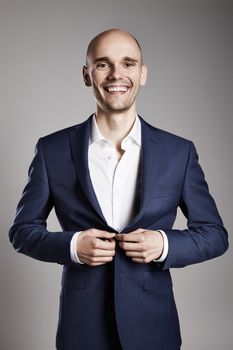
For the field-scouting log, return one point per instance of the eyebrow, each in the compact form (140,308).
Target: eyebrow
(126,58)
(104,58)
(99,59)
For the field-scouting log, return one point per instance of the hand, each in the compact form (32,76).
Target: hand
(141,245)
(95,247)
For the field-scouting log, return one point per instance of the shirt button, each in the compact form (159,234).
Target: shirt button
(109,157)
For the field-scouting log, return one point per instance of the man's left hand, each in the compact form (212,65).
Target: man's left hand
(141,245)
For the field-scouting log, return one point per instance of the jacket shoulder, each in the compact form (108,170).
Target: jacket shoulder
(59,134)
(166,136)
(60,137)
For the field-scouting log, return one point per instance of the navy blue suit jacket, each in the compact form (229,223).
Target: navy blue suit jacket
(136,299)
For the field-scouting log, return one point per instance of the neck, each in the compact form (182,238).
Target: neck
(115,126)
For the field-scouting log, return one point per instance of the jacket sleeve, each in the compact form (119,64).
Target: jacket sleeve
(28,233)
(205,237)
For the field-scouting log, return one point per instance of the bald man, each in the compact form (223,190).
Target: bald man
(116,183)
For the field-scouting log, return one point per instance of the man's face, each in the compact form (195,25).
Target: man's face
(115,72)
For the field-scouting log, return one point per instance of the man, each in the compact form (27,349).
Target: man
(116,183)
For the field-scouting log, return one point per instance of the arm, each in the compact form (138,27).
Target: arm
(205,238)
(28,233)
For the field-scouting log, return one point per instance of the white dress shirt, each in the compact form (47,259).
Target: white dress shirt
(116,183)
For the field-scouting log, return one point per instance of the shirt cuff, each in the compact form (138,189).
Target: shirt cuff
(165,247)
(73,252)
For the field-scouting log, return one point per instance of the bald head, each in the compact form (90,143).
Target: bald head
(115,34)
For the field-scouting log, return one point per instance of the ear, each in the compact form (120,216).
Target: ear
(143,77)
(86,76)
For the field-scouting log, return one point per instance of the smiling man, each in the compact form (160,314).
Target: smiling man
(116,183)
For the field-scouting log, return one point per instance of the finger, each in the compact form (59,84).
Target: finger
(133,254)
(105,245)
(139,230)
(137,247)
(97,264)
(138,260)
(130,237)
(92,264)
(135,232)
(100,259)
(103,253)
(142,260)
(104,234)
(145,259)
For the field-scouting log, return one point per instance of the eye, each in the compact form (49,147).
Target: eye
(102,65)
(129,64)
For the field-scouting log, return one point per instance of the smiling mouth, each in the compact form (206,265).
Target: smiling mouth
(116,89)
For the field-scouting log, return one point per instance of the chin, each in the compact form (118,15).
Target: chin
(117,108)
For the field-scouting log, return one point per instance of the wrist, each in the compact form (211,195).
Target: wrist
(164,253)
(73,248)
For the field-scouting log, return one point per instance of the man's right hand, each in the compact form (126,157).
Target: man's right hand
(95,247)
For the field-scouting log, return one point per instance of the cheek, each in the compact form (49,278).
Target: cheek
(136,78)
(95,86)
(98,77)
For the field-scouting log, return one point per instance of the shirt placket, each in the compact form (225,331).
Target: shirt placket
(118,185)
(111,168)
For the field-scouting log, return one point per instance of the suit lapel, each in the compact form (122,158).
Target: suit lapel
(79,138)
(150,159)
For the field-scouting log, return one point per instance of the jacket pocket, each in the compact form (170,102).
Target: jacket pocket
(156,281)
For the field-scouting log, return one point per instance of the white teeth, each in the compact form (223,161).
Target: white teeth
(117,88)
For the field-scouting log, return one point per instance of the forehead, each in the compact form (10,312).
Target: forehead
(114,46)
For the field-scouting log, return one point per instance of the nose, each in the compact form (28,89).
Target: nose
(115,73)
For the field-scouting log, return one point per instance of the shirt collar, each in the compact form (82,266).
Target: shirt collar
(134,134)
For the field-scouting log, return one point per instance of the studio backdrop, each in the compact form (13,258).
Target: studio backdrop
(187,45)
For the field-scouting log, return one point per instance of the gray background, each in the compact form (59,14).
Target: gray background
(188,48)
